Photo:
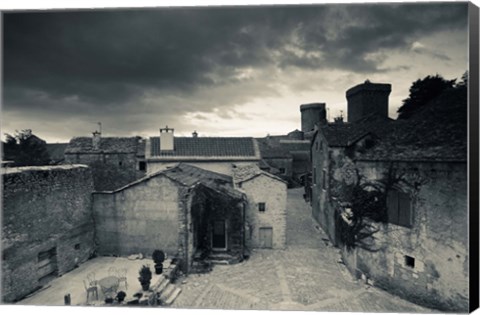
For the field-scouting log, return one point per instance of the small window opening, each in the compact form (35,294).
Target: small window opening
(261,206)
(409,261)
(77,246)
(120,163)
(142,166)
(282,170)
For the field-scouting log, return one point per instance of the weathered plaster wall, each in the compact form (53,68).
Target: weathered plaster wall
(140,218)
(110,170)
(275,210)
(44,208)
(438,239)
(223,167)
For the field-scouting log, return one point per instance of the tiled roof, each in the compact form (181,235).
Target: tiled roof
(437,132)
(107,145)
(295,145)
(248,172)
(345,134)
(191,176)
(281,147)
(206,147)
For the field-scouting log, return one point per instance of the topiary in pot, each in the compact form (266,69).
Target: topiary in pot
(145,277)
(158,257)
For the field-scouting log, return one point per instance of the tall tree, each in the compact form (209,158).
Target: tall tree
(24,148)
(421,92)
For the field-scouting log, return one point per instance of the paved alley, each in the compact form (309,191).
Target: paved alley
(304,276)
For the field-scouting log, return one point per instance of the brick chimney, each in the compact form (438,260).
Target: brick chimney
(166,139)
(366,99)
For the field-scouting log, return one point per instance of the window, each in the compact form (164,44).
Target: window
(399,208)
(142,166)
(324,179)
(314,175)
(120,163)
(261,206)
(77,246)
(282,170)
(409,261)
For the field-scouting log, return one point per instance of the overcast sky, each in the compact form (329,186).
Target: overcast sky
(219,71)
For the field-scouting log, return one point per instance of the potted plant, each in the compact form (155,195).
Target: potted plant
(108,300)
(158,257)
(145,277)
(121,296)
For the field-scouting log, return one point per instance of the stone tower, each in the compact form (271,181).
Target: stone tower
(312,114)
(366,99)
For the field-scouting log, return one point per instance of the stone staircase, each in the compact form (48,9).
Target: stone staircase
(166,292)
(224,258)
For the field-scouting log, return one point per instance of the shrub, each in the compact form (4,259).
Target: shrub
(158,256)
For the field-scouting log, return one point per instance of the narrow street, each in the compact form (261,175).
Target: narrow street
(304,276)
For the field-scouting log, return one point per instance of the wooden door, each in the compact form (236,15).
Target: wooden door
(47,268)
(219,235)
(265,236)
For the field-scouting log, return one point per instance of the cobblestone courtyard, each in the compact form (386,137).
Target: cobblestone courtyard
(304,276)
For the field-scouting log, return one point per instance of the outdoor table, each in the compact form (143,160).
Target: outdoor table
(108,284)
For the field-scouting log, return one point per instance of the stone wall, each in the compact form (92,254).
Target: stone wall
(437,241)
(140,218)
(275,210)
(110,170)
(44,209)
(322,211)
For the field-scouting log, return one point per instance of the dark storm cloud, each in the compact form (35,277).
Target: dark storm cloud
(74,62)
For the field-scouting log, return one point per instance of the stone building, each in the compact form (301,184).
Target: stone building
(393,196)
(115,161)
(190,213)
(186,211)
(265,221)
(47,225)
(217,154)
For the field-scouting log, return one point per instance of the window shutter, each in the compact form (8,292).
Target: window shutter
(392,205)
(404,210)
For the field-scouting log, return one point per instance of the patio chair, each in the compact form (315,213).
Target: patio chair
(91,279)
(90,289)
(122,276)
(112,271)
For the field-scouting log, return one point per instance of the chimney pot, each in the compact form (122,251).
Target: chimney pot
(166,139)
